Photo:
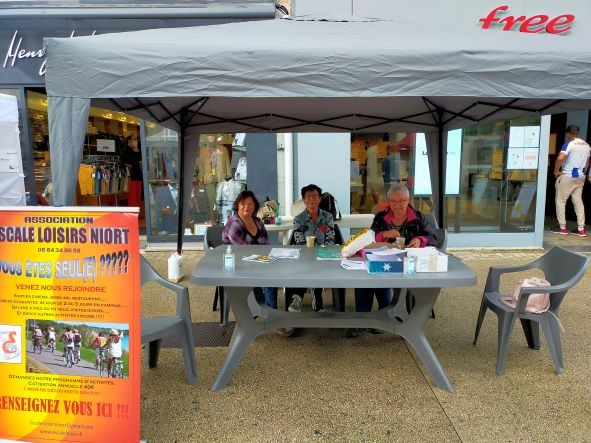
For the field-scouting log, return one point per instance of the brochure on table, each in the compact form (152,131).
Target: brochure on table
(68,268)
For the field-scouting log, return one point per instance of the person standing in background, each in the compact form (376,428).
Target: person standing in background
(391,166)
(133,157)
(570,168)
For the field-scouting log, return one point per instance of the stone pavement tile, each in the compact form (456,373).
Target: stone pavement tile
(322,387)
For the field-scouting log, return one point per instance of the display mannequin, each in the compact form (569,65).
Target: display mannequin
(213,166)
(227,192)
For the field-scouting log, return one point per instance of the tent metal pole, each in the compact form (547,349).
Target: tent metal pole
(442,174)
(181,184)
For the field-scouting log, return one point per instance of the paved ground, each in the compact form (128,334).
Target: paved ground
(322,387)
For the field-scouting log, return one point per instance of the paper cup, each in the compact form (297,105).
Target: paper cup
(400,242)
(310,241)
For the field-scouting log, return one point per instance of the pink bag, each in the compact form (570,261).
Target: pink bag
(536,303)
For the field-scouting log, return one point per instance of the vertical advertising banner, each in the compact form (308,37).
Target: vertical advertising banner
(69,325)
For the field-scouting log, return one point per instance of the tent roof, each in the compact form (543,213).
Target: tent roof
(298,75)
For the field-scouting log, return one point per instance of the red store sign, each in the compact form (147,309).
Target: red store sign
(533,25)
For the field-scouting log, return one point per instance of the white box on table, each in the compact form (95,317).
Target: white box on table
(428,259)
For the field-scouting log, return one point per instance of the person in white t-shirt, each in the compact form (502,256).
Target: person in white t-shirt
(114,347)
(570,168)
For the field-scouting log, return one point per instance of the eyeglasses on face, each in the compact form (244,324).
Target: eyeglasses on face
(397,202)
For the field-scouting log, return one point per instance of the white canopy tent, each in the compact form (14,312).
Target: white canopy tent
(307,75)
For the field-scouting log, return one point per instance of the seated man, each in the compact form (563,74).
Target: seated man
(311,222)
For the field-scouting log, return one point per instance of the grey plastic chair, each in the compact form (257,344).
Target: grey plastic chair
(563,269)
(431,220)
(154,329)
(211,240)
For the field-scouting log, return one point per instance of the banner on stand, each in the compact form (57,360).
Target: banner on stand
(70,284)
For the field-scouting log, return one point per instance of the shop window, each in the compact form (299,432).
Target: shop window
(162,146)
(220,175)
(491,177)
(104,175)
(377,162)
(498,180)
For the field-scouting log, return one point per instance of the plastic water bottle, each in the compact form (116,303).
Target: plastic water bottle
(410,265)
(229,263)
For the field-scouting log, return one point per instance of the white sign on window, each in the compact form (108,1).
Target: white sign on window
(515,158)
(532,137)
(422,175)
(103,145)
(517,137)
(530,158)
(522,158)
(524,137)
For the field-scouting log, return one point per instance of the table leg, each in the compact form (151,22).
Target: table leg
(245,331)
(413,331)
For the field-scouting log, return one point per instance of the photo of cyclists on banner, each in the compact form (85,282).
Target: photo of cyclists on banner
(78,348)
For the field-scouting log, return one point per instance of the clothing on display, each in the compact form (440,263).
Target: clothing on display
(213,164)
(226,193)
(99,175)
(240,174)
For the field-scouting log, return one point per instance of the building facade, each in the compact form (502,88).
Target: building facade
(496,175)
(105,178)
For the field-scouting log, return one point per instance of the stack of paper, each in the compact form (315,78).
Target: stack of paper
(285,253)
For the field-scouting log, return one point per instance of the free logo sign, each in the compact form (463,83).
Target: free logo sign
(532,25)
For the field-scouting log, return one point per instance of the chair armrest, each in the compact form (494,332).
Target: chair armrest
(493,280)
(527,291)
(182,295)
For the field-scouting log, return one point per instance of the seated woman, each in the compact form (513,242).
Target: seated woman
(400,219)
(245,228)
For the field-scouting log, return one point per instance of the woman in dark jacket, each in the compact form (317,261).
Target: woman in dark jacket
(399,220)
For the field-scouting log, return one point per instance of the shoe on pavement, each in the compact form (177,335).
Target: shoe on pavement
(296,304)
(354,332)
(579,232)
(322,310)
(285,332)
(558,230)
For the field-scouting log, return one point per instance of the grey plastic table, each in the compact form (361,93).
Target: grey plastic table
(308,272)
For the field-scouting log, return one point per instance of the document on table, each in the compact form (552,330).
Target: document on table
(354,265)
(384,250)
(285,253)
(382,257)
(259,258)
(329,253)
